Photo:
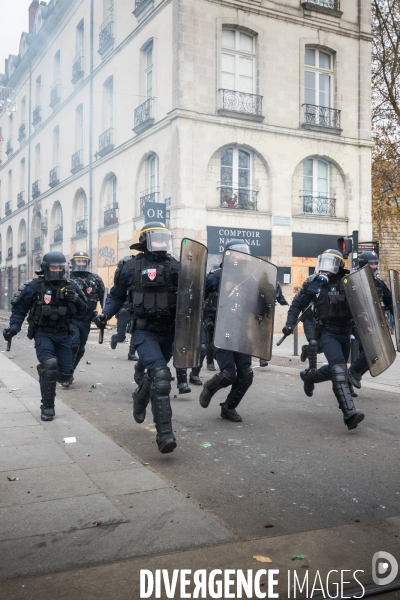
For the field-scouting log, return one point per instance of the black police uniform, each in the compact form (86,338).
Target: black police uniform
(334,322)
(279,299)
(181,374)
(124,324)
(51,306)
(150,281)
(235,367)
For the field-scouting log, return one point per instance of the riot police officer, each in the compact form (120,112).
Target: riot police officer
(51,301)
(93,289)
(150,281)
(235,367)
(333,318)
(370,258)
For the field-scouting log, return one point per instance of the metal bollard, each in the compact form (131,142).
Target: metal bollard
(296,341)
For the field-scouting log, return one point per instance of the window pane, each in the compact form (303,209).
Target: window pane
(245,75)
(245,42)
(309,83)
(228,72)
(324,90)
(244,160)
(323,170)
(228,63)
(228,81)
(324,60)
(227,157)
(308,175)
(149,77)
(226,176)
(309,58)
(228,38)
(149,56)
(244,177)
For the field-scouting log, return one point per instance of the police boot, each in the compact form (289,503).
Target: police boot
(342,392)
(194,376)
(352,392)
(141,397)
(211,387)
(48,381)
(160,389)
(139,372)
(132,351)
(304,353)
(114,341)
(263,362)
(310,377)
(211,366)
(357,370)
(181,379)
(242,383)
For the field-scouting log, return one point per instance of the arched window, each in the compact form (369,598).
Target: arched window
(316,186)
(22,238)
(57,222)
(81,219)
(318,88)
(110,201)
(9,242)
(236,179)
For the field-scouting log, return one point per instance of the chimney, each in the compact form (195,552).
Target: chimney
(32,12)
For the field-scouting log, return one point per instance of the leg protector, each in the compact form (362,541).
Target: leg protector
(312,354)
(181,379)
(141,397)
(211,387)
(342,392)
(160,390)
(310,377)
(139,372)
(239,388)
(48,380)
(132,351)
(304,353)
(114,341)
(195,372)
(357,370)
(210,357)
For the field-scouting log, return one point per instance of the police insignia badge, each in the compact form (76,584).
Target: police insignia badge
(47,298)
(151,274)
(89,290)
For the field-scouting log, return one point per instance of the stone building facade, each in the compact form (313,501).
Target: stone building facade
(231,118)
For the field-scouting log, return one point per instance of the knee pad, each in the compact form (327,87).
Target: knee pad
(203,351)
(246,376)
(49,368)
(161,380)
(339,373)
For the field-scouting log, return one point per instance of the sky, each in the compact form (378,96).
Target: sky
(13,21)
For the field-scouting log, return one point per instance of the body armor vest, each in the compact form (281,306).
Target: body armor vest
(152,295)
(88,286)
(332,306)
(50,312)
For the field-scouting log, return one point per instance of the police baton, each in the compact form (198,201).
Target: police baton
(101,332)
(9,345)
(283,338)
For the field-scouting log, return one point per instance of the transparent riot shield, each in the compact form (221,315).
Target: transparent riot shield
(189,309)
(246,305)
(395,288)
(370,321)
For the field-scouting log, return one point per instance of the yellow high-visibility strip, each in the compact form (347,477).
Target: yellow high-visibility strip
(154,229)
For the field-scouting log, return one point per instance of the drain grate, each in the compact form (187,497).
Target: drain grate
(284,361)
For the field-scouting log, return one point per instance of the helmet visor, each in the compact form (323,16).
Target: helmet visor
(80,265)
(56,271)
(159,240)
(328,263)
(240,248)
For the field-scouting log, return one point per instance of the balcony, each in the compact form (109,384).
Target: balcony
(321,118)
(22,131)
(241,104)
(81,226)
(35,189)
(318,205)
(106,36)
(330,7)
(8,209)
(10,253)
(9,147)
(54,177)
(37,115)
(43,226)
(143,118)
(111,215)
(141,5)
(58,234)
(22,251)
(37,243)
(55,94)
(106,143)
(76,161)
(238,198)
(20,199)
(151,195)
(78,65)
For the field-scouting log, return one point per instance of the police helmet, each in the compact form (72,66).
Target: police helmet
(80,262)
(369,257)
(236,244)
(154,237)
(330,261)
(54,266)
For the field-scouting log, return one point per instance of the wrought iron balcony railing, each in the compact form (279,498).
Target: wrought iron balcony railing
(54,177)
(58,234)
(22,131)
(37,243)
(20,199)
(36,189)
(37,115)
(241,102)
(106,36)
(81,226)
(78,67)
(106,142)
(9,147)
(23,248)
(239,198)
(77,161)
(43,226)
(7,208)
(143,116)
(138,3)
(150,195)
(10,252)
(55,94)
(111,214)
(318,205)
(322,116)
(332,4)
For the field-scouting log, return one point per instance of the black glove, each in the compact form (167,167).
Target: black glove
(283,302)
(8,333)
(101,320)
(287,330)
(71,296)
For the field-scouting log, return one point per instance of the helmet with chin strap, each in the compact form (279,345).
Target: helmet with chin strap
(54,266)
(154,237)
(80,262)
(236,244)
(369,257)
(330,261)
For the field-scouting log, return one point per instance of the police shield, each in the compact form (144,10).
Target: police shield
(246,305)
(395,288)
(369,320)
(189,310)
